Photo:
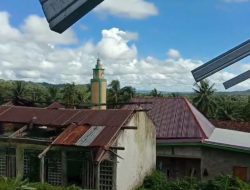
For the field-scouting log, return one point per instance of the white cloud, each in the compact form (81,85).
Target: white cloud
(7,32)
(133,9)
(39,58)
(173,54)
(36,28)
(114,45)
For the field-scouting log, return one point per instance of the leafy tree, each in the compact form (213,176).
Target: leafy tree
(69,94)
(174,95)
(52,94)
(246,110)
(17,91)
(127,93)
(117,94)
(227,108)
(114,90)
(204,97)
(84,94)
(155,93)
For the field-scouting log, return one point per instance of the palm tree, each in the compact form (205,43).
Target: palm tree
(127,93)
(227,109)
(114,90)
(17,91)
(204,100)
(155,93)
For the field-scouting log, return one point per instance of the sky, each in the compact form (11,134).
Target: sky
(143,43)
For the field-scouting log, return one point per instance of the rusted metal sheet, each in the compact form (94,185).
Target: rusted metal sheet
(175,118)
(87,138)
(71,135)
(63,117)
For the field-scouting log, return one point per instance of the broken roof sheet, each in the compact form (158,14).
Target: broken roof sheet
(175,118)
(87,136)
(63,117)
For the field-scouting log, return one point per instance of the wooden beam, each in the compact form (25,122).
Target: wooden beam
(130,127)
(117,147)
(18,132)
(44,152)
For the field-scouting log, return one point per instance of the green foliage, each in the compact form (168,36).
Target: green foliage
(155,93)
(204,97)
(157,181)
(10,184)
(116,94)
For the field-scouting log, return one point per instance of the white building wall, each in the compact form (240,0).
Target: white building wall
(139,156)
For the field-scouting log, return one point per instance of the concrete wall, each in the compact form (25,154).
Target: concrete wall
(215,161)
(139,156)
(218,162)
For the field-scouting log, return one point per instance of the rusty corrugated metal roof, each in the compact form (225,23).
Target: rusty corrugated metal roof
(175,118)
(63,117)
(70,135)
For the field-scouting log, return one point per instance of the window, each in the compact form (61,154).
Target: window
(106,175)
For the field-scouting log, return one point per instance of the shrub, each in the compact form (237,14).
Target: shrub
(156,181)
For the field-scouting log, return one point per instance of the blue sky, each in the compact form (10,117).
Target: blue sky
(197,30)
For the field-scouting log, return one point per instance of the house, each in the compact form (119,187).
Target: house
(92,148)
(95,149)
(188,144)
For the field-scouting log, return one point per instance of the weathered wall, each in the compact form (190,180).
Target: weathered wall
(215,161)
(218,162)
(139,156)
(179,151)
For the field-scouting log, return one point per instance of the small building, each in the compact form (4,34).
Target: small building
(94,149)
(188,144)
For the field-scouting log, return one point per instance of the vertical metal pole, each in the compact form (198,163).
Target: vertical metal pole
(19,162)
(97,174)
(42,170)
(64,168)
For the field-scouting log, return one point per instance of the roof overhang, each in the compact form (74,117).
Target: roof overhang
(62,14)
(224,60)
(236,80)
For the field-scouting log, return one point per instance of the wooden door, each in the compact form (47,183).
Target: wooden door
(240,172)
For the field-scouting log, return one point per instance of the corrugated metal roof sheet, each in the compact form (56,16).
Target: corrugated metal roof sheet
(63,117)
(175,118)
(233,125)
(87,128)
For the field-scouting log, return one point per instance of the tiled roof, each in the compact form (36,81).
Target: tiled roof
(175,118)
(232,125)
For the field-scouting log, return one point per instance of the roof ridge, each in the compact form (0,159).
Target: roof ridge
(196,119)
